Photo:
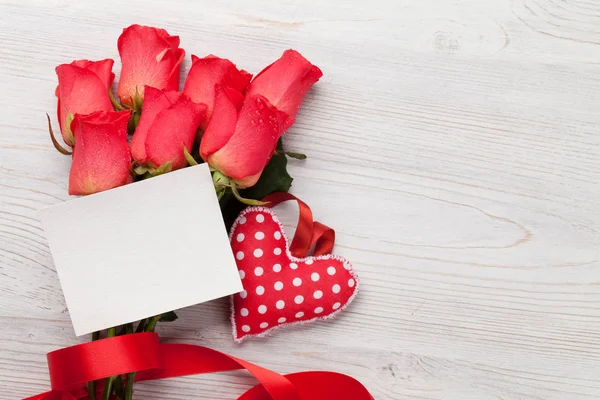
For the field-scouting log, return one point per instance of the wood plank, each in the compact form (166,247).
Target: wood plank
(453,146)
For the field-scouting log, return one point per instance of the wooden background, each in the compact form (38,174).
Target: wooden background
(453,145)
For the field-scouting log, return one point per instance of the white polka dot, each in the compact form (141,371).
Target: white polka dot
(246,328)
(297,281)
(243,294)
(318,294)
(242,274)
(281,320)
(240,237)
(244,312)
(278,285)
(277,235)
(260,290)
(346,266)
(262,309)
(277,251)
(331,271)
(314,276)
(263,325)
(258,253)
(239,255)
(336,306)
(309,262)
(260,218)
(298,299)
(299,314)
(293,266)
(280,304)
(243,220)
(259,236)
(277,268)
(336,288)
(258,271)
(351,282)
(318,310)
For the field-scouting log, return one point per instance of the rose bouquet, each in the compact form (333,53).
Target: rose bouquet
(223,116)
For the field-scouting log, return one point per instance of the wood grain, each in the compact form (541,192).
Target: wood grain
(453,145)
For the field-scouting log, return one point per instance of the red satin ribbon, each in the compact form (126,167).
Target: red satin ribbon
(70,368)
(309,234)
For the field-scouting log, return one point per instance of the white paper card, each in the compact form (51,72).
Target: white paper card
(141,249)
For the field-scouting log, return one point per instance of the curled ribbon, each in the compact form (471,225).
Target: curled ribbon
(309,234)
(70,368)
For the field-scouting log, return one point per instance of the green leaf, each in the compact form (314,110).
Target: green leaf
(138,101)
(163,169)
(114,101)
(297,156)
(140,170)
(168,317)
(188,157)
(274,178)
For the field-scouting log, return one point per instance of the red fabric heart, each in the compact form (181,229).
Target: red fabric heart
(280,289)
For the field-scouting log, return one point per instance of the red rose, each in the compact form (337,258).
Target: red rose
(205,73)
(169,122)
(101,159)
(149,57)
(285,82)
(82,89)
(240,144)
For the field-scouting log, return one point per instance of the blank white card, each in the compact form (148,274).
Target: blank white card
(141,249)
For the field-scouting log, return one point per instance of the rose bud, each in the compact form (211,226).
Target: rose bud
(149,56)
(240,144)
(82,89)
(285,82)
(169,122)
(205,73)
(101,159)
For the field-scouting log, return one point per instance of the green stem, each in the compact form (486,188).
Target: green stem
(57,145)
(129,386)
(141,326)
(118,386)
(108,382)
(250,202)
(152,323)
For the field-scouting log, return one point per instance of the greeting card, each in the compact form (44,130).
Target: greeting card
(141,250)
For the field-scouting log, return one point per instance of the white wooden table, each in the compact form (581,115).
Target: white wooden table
(454,146)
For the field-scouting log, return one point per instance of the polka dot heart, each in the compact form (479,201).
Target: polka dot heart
(281,290)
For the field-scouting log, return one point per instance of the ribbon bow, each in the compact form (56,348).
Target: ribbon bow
(72,367)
